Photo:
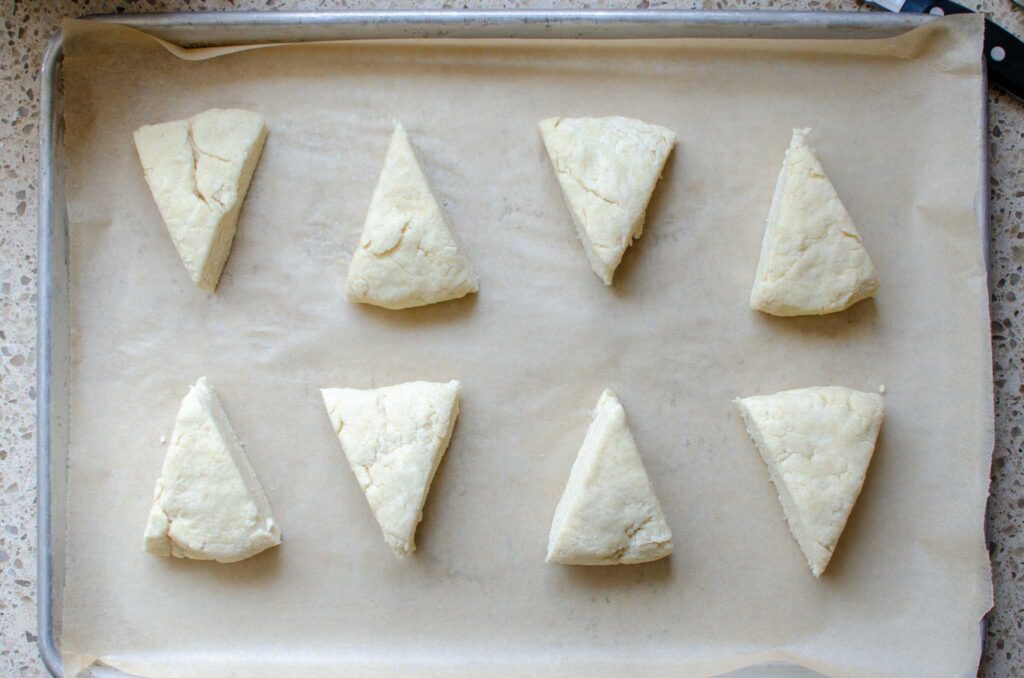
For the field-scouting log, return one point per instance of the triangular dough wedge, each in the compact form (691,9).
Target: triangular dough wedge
(407,255)
(812,259)
(394,438)
(817,444)
(608,513)
(608,168)
(199,171)
(208,503)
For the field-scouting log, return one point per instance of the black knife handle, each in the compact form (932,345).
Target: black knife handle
(1008,71)
(1004,52)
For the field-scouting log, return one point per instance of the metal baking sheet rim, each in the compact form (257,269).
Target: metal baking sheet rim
(218,28)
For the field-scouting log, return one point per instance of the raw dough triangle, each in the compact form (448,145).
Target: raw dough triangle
(199,171)
(608,168)
(208,503)
(817,444)
(407,255)
(608,513)
(812,259)
(394,439)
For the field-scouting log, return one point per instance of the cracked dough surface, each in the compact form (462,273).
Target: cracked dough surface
(198,171)
(817,444)
(394,438)
(607,168)
(208,503)
(608,514)
(407,255)
(812,259)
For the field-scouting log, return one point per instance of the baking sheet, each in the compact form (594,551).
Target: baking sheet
(898,126)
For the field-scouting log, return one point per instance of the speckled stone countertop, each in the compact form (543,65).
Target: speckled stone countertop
(27,26)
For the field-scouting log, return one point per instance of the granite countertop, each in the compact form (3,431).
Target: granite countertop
(27,26)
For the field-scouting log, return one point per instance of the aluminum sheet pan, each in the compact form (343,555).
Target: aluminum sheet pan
(249,28)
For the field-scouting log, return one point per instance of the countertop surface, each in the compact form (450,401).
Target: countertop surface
(28,25)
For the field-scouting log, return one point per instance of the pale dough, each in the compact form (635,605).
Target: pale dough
(608,513)
(394,438)
(607,168)
(407,255)
(817,444)
(208,503)
(812,259)
(199,172)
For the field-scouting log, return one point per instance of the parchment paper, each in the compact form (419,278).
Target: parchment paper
(898,125)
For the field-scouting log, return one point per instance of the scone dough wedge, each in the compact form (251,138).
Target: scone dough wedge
(394,438)
(812,259)
(199,172)
(608,514)
(208,503)
(407,255)
(607,168)
(817,444)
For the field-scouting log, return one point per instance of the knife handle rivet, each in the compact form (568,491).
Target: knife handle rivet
(937,11)
(997,53)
